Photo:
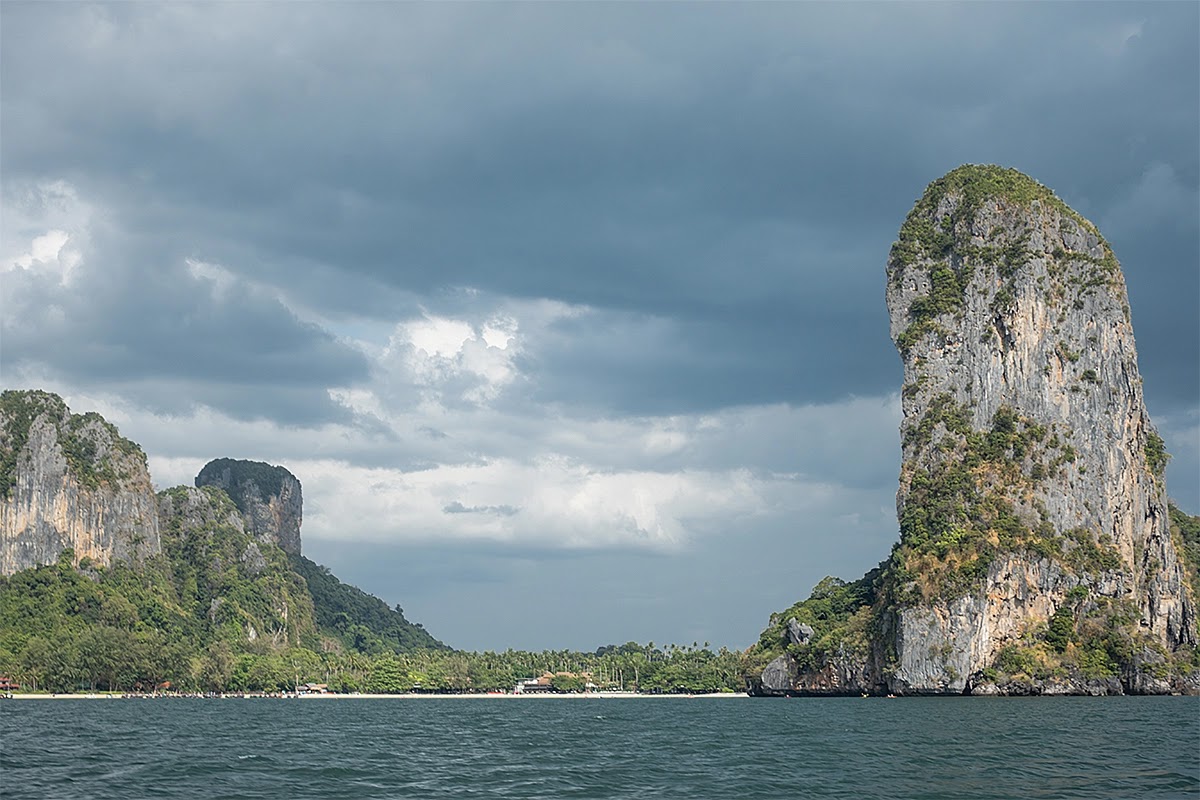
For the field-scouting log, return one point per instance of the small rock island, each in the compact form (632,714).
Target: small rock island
(1036,551)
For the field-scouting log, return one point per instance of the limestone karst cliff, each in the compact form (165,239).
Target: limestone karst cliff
(70,481)
(1035,548)
(180,582)
(268,496)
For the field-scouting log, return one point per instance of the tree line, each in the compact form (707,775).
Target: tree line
(107,658)
(69,627)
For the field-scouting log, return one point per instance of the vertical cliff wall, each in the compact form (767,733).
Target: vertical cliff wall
(269,498)
(70,481)
(1032,478)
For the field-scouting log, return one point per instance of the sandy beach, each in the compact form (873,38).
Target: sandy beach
(414,696)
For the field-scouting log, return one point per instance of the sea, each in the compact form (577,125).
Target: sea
(595,747)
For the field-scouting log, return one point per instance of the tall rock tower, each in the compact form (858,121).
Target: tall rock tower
(70,481)
(1031,488)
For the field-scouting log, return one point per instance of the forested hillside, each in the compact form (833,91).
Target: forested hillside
(216,609)
(361,621)
(220,610)
(90,628)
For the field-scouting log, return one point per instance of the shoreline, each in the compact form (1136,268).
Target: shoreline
(29,696)
(358,696)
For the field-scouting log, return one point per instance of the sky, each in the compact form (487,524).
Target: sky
(568,317)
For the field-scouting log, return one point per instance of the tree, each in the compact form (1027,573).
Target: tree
(117,612)
(567,683)
(35,663)
(387,677)
(100,656)
(216,667)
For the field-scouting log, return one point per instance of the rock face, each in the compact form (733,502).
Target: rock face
(70,481)
(1028,457)
(798,632)
(188,510)
(269,498)
(1035,551)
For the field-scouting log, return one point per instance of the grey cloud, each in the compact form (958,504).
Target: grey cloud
(173,340)
(657,366)
(604,156)
(458,508)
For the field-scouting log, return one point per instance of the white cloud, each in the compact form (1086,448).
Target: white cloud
(534,478)
(663,440)
(43,249)
(436,337)
(219,278)
(44,227)
(551,502)
(499,332)
(448,361)
(440,361)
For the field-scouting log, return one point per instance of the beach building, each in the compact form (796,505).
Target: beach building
(552,681)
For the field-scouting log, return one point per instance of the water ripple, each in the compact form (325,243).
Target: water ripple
(957,749)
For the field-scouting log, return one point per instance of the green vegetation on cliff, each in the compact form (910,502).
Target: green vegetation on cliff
(1156,454)
(940,238)
(238,586)
(268,478)
(1185,530)
(841,616)
(88,441)
(974,184)
(1093,638)
(963,511)
(220,610)
(361,621)
(215,594)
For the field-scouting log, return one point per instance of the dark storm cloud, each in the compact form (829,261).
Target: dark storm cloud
(741,170)
(172,339)
(693,365)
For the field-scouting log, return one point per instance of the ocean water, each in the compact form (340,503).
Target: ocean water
(743,748)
